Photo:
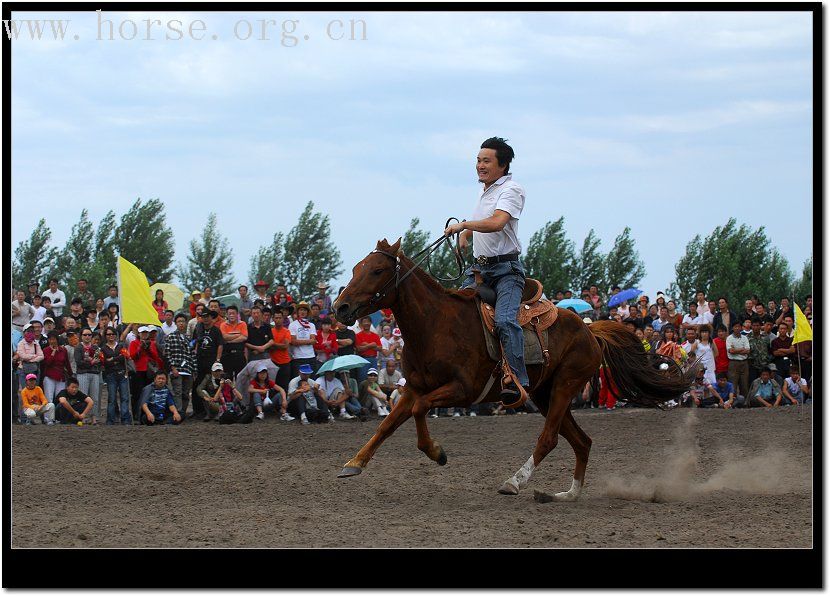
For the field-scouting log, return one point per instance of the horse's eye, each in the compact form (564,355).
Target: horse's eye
(377,271)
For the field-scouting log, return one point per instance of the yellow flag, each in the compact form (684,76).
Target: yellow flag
(803,331)
(134,291)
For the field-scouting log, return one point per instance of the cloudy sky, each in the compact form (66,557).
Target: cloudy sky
(669,123)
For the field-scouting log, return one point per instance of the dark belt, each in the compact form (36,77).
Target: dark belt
(482,260)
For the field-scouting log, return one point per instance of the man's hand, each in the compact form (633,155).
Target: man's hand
(77,415)
(454,228)
(151,418)
(176,417)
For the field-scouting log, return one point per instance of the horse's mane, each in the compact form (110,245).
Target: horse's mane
(426,278)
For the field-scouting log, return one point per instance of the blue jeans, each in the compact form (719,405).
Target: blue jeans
(508,281)
(118,383)
(352,405)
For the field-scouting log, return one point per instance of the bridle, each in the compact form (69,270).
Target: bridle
(398,279)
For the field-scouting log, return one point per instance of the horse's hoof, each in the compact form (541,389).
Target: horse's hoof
(541,497)
(442,458)
(349,471)
(508,488)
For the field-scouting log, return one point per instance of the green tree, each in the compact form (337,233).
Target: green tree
(550,257)
(588,265)
(210,261)
(623,266)
(414,240)
(84,257)
(732,261)
(442,263)
(804,286)
(310,255)
(143,238)
(33,258)
(266,261)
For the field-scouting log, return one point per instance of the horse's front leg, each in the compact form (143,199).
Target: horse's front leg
(400,413)
(445,394)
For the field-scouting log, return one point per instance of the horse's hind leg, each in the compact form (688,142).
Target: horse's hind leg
(560,401)
(581,444)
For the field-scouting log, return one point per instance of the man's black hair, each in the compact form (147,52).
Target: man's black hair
(160,373)
(504,152)
(724,298)
(181,315)
(722,375)
(692,303)
(168,311)
(615,288)
(83,280)
(756,319)
(113,286)
(721,326)
(72,381)
(232,307)
(242,286)
(76,301)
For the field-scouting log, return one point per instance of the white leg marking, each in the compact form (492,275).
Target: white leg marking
(519,480)
(571,495)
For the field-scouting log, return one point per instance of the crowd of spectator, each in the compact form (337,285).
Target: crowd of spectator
(741,359)
(70,353)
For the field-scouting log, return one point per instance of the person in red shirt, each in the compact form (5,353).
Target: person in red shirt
(326,346)
(722,361)
(280,354)
(367,345)
(195,298)
(160,304)
(56,367)
(262,387)
(142,352)
(235,334)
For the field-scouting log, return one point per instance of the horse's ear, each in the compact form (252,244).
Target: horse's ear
(395,248)
(383,245)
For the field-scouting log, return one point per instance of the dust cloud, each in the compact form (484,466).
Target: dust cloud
(676,478)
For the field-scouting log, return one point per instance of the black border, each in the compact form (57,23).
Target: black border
(425,568)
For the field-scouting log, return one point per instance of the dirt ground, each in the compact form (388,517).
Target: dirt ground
(680,478)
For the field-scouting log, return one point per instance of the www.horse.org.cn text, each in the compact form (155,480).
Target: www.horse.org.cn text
(288,33)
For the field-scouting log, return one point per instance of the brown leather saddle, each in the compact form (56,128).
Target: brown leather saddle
(535,313)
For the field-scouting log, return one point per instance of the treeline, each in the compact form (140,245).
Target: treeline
(300,258)
(733,261)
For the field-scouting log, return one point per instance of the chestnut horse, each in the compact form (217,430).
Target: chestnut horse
(445,362)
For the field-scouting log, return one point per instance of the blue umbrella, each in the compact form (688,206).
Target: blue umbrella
(629,294)
(341,363)
(574,303)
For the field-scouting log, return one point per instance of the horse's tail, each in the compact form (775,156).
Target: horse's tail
(635,372)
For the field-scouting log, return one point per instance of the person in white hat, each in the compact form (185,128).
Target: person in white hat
(396,394)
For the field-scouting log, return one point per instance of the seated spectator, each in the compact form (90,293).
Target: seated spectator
(304,394)
(73,405)
(157,405)
(35,404)
(388,377)
(794,389)
(726,391)
(397,393)
(307,400)
(372,395)
(339,397)
(263,388)
(764,392)
(703,394)
(209,390)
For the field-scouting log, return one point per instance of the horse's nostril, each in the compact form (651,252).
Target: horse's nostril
(343,309)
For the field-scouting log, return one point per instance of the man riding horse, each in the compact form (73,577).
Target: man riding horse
(494,229)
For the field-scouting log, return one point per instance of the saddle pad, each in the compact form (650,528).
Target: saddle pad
(533,353)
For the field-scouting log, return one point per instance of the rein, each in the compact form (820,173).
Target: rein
(398,279)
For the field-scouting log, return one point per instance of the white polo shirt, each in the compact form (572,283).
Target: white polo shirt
(508,196)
